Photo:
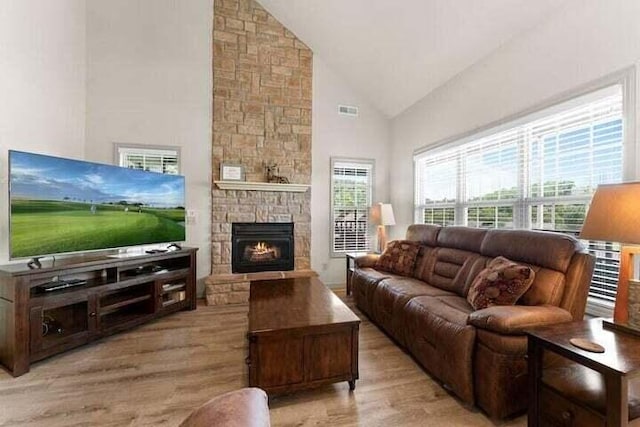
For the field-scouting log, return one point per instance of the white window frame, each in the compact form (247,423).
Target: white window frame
(631,153)
(120,150)
(366,163)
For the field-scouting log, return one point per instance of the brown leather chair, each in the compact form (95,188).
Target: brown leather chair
(247,407)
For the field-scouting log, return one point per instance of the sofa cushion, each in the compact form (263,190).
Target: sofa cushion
(465,238)
(363,282)
(440,338)
(459,305)
(412,287)
(371,274)
(503,282)
(546,249)
(399,257)
(547,287)
(425,234)
(424,263)
(448,268)
(390,297)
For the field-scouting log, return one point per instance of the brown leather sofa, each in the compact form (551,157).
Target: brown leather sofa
(247,407)
(479,355)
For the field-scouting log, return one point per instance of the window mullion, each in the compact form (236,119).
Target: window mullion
(522,216)
(460,213)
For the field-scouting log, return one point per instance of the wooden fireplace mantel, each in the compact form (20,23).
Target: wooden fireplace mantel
(261,186)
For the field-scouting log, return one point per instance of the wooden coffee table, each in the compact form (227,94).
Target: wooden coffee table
(300,335)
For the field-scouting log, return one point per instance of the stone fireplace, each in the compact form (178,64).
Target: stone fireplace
(259,247)
(262,78)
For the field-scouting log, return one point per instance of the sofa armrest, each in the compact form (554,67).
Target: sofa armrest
(368,260)
(516,319)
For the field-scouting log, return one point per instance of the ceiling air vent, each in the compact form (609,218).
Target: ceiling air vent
(348,110)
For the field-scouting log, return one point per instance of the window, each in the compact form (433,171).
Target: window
(351,196)
(539,172)
(162,160)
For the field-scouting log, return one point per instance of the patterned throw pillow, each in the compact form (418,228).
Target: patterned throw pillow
(503,282)
(399,257)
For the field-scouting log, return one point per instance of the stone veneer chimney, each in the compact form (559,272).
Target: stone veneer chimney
(262,76)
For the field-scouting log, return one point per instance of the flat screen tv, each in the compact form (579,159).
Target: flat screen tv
(61,206)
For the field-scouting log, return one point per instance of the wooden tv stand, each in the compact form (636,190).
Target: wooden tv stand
(117,294)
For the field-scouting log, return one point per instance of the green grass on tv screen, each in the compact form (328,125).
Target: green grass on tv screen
(41,227)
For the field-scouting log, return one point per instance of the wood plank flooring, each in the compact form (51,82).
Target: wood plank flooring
(158,373)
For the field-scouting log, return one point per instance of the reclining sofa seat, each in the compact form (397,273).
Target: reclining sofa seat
(479,355)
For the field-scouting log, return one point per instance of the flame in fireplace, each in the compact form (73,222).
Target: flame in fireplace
(261,252)
(261,248)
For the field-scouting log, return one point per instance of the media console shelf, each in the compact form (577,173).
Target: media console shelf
(116,294)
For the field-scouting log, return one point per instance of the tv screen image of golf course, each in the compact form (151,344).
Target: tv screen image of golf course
(62,205)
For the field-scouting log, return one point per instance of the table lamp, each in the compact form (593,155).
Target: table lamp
(614,216)
(382,215)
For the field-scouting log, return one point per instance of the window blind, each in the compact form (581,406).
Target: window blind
(153,160)
(351,191)
(537,173)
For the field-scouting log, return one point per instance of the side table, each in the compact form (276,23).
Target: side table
(351,266)
(582,388)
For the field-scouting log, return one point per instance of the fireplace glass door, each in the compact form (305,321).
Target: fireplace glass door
(262,247)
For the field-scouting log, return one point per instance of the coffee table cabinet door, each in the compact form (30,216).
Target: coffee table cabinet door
(329,355)
(280,362)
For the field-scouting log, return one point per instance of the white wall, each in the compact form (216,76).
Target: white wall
(42,84)
(149,81)
(586,40)
(366,136)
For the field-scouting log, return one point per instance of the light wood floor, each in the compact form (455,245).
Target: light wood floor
(156,374)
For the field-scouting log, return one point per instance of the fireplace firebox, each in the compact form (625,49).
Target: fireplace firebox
(261,246)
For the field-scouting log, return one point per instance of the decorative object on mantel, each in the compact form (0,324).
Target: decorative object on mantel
(231,172)
(271,170)
(614,216)
(261,186)
(382,215)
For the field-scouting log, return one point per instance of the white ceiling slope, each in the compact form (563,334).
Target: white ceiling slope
(397,51)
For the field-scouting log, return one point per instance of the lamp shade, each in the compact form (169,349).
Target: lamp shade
(382,214)
(386,214)
(614,214)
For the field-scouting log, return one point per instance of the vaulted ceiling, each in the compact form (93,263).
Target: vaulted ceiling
(395,52)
